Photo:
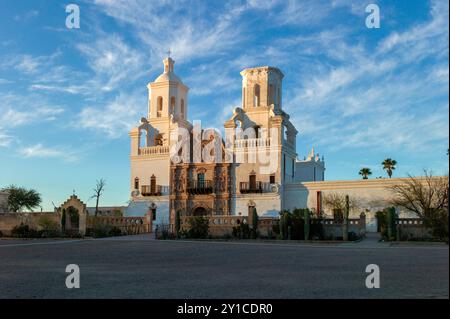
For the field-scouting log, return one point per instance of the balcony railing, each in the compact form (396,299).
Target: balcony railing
(147,190)
(200,187)
(154,150)
(256,187)
(252,142)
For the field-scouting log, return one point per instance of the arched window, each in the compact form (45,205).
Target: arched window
(160,106)
(182,108)
(172,105)
(136,183)
(256,95)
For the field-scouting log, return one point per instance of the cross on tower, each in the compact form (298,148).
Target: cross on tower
(168,53)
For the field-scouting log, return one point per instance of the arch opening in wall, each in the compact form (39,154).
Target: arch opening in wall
(159,140)
(238,130)
(182,109)
(159,106)
(143,134)
(271,94)
(256,95)
(172,105)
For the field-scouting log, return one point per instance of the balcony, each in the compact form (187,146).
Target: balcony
(200,187)
(255,187)
(147,190)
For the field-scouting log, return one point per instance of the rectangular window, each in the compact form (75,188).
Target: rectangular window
(272,179)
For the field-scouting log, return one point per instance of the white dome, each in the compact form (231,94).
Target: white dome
(168,77)
(168,74)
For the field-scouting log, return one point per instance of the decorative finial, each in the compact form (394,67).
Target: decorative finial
(168,53)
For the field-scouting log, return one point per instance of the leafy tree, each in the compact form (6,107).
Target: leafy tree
(20,197)
(365,172)
(389,166)
(98,192)
(426,196)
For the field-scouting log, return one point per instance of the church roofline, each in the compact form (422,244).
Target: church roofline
(262,68)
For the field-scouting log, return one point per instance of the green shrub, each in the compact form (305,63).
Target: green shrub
(242,231)
(24,231)
(115,231)
(198,227)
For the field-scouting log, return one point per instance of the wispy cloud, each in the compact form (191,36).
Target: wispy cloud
(26,16)
(41,151)
(5,140)
(115,118)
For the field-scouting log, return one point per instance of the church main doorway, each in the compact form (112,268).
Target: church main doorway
(200,211)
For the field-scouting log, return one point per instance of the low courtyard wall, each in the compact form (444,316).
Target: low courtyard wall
(10,220)
(127,225)
(411,229)
(220,226)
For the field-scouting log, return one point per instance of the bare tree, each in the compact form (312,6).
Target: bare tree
(98,191)
(427,197)
(336,202)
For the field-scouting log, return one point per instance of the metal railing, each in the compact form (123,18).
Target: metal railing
(148,190)
(200,187)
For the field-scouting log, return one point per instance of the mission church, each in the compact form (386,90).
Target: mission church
(229,187)
(220,187)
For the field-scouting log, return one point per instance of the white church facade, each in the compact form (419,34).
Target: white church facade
(258,165)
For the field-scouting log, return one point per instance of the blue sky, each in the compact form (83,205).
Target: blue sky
(68,97)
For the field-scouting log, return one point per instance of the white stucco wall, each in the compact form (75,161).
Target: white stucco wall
(141,207)
(372,195)
(267,204)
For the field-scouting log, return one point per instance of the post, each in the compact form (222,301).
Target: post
(362,222)
(345,223)
(149,219)
(391,222)
(177,223)
(306,224)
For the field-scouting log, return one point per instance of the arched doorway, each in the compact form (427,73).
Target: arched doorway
(72,220)
(200,211)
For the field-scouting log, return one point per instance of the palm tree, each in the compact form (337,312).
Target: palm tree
(365,172)
(389,166)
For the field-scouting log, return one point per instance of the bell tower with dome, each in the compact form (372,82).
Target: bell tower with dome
(150,142)
(167,95)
